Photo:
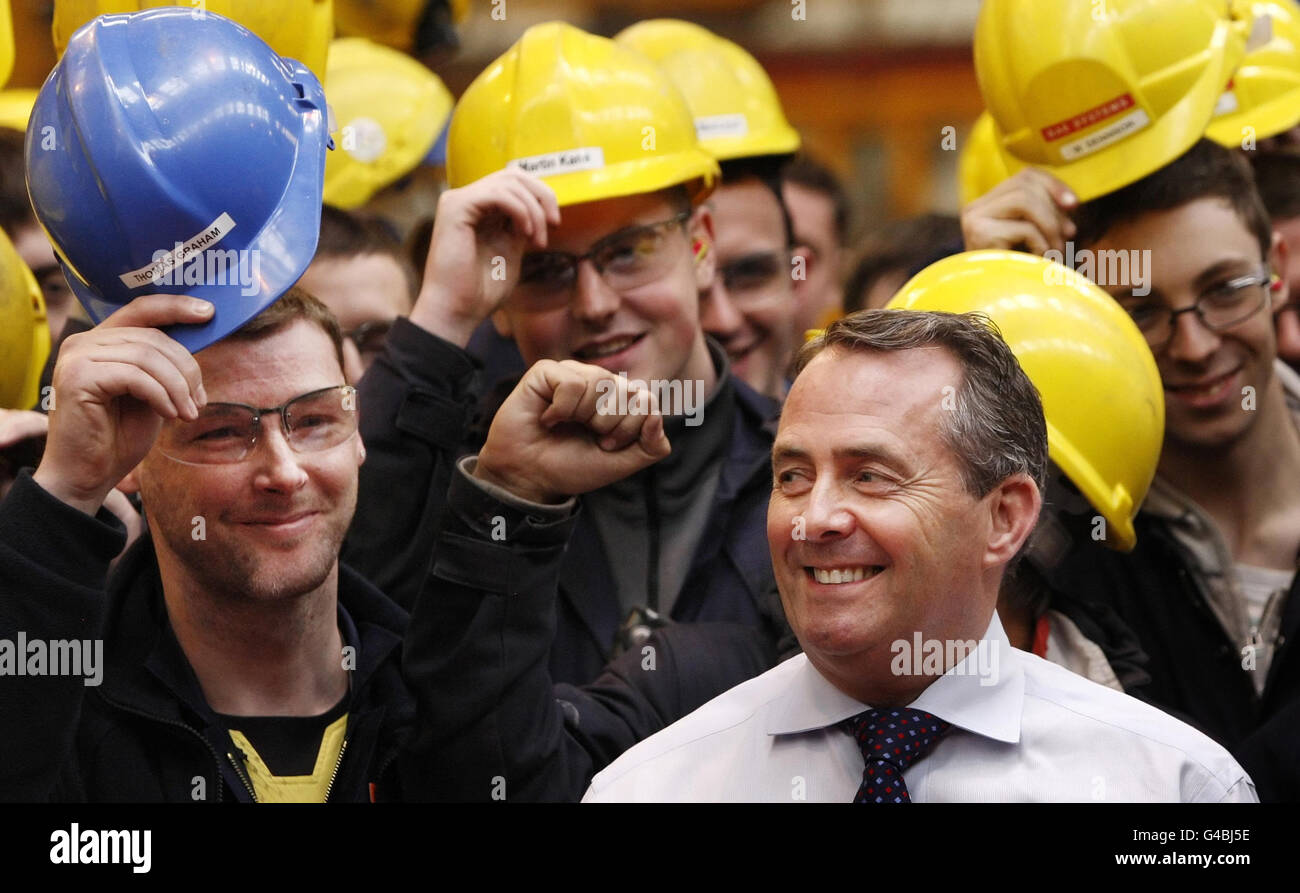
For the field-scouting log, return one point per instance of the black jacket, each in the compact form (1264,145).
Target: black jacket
(145,733)
(1196,671)
(420,410)
(491,722)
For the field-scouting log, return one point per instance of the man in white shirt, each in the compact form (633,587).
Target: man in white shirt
(906,477)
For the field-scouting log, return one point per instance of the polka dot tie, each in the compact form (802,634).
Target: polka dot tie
(891,740)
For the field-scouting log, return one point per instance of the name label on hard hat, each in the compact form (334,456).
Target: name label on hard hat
(1111,133)
(207,237)
(583,159)
(713,126)
(1098,139)
(1095,115)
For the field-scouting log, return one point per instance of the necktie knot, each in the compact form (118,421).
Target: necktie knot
(891,740)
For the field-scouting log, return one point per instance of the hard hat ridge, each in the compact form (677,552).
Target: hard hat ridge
(163,141)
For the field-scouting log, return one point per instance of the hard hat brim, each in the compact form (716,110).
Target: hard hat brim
(1267,119)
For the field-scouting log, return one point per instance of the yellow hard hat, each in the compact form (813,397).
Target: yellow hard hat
(1100,388)
(1102,94)
(24,333)
(1264,93)
(592,118)
(389,110)
(736,109)
(299,29)
(982,163)
(393,23)
(6,42)
(16,107)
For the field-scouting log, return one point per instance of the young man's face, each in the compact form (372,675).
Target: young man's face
(272,524)
(749,307)
(650,331)
(1195,249)
(366,293)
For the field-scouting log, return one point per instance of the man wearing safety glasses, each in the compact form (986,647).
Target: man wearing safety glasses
(589,243)
(241,659)
(1211,587)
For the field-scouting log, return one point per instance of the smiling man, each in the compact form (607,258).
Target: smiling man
(750,304)
(585,235)
(906,478)
(243,661)
(1211,588)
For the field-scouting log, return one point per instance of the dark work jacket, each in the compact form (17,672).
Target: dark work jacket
(145,733)
(420,410)
(492,725)
(1196,672)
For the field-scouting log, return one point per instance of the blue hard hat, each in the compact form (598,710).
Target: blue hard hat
(173,151)
(437,155)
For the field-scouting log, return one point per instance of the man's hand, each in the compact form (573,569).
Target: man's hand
(480,233)
(561,433)
(113,386)
(1027,211)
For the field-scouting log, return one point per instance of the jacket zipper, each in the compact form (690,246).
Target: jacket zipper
(335,774)
(216,758)
(239,770)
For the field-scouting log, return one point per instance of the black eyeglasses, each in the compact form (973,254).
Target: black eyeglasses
(746,277)
(1218,309)
(225,433)
(369,337)
(626,260)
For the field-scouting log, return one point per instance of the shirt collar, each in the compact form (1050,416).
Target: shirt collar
(983,694)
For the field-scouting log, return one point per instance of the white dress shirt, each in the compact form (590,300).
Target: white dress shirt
(1032,731)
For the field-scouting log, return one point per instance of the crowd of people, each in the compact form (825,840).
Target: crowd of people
(621,466)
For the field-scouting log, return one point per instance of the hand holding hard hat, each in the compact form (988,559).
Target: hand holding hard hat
(113,386)
(1029,210)
(479,237)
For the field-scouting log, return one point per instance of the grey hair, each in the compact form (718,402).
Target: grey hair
(996,428)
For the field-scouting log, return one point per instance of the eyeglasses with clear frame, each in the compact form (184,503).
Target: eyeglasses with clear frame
(627,259)
(225,433)
(1218,309)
